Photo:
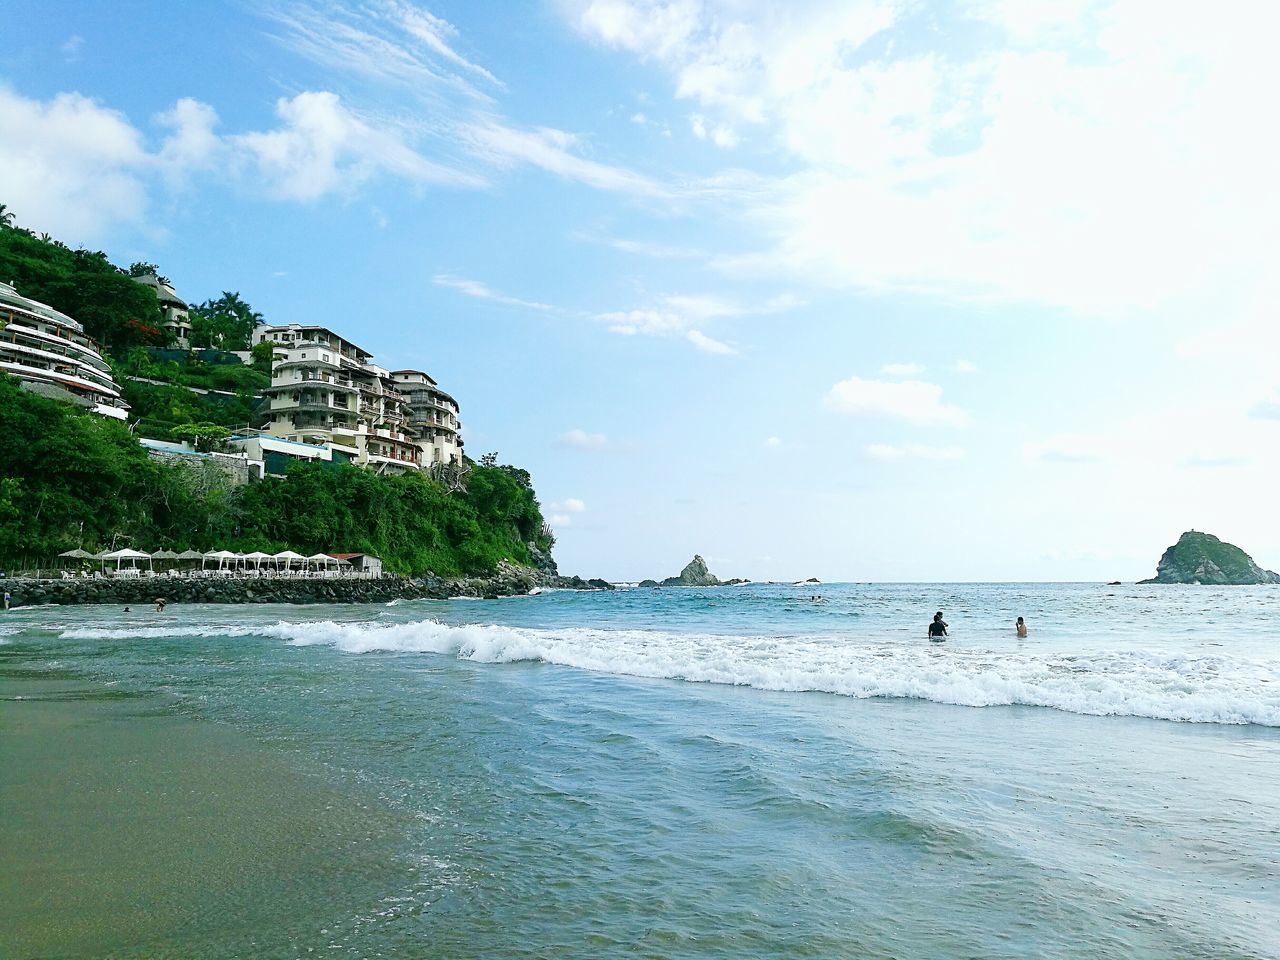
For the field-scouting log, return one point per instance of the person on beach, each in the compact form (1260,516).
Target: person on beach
(160,601)
(7,598)
(126,609)
(938,629)
(1021,627)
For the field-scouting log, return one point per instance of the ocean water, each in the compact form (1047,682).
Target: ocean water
(742,772)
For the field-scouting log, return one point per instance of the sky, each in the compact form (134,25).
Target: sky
(887,290)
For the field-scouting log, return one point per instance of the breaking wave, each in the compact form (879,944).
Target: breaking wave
(1139,683)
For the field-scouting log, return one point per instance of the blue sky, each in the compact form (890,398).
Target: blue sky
(862,291)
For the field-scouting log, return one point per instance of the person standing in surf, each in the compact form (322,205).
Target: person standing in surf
(1021,627)
(938,629)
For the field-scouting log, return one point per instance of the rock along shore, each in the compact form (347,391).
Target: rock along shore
(509,581)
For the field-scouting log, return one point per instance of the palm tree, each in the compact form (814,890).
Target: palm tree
(6,217)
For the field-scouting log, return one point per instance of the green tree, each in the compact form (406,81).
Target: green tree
(225,323)
(205,436)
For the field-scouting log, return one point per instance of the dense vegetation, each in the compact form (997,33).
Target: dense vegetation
(115,310)
(163,409)
(72,479)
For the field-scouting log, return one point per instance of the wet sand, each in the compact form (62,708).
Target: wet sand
(130,830)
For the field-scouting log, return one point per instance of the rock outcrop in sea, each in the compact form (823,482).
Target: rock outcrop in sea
(1203,558)
(694,574)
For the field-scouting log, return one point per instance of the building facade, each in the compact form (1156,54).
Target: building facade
(433,417)
(326,390)
(176,318)
(49,350)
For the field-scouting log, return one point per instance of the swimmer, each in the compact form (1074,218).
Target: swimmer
(938,629)
(1021,627)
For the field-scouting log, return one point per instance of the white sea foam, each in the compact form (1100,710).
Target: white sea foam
(1141,683)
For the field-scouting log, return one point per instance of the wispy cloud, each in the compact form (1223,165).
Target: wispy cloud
(580,439)
(549,150)
(914,451)
(474,288)
(709,345)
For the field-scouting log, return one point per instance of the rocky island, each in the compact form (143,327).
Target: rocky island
(694,574)
(1203,558)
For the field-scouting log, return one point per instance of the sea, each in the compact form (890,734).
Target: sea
(761,771)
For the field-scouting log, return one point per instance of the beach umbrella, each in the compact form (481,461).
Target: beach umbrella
(321,558)
(288,556)
(222,556)
(165,555)
(119,556)
(190,555)
(78,554)
(257,557)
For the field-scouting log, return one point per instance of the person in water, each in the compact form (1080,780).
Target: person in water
(160,602)
(937,629)
(1021,627)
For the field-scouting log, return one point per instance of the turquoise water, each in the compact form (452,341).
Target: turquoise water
(747,773)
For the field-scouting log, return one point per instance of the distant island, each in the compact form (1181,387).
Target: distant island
(694,574)
(1203,558)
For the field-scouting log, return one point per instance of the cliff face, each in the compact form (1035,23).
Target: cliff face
(1203,558)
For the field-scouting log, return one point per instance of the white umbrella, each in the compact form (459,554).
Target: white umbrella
(222,556)
(257,557)
(322,558)
(288,556)
(119,556)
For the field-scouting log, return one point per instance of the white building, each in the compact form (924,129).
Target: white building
(46,348)
(326,390)
(433,417)
(176,319)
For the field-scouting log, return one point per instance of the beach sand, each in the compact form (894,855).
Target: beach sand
(128,829)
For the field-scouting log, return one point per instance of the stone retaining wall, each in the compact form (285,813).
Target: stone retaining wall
(510,581)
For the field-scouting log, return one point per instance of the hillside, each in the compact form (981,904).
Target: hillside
(73,479)
(1203,558)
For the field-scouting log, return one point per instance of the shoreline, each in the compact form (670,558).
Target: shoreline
(509,581)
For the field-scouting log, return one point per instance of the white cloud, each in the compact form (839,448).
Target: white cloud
(72,47)
(912,400)
(902,369)
(322,147)
(474,288)
(1054,135)
(568,505)
(966,366)
(655,323)
(74,167)
(639,119)
(580,439)
(725,137)
(708,345)
(884,451)
(773,443)
(69,166)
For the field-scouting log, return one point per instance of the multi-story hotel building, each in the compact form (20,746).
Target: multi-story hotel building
(176,319)
(433,417)
(42,346)
(326,390)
